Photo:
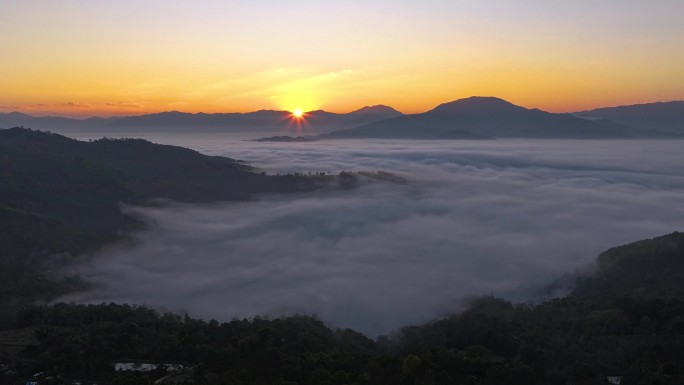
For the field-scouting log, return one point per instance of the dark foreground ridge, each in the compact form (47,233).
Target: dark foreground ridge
(605,331)
(61,197)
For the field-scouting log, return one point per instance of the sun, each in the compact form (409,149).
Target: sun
(298,113)
(297,120)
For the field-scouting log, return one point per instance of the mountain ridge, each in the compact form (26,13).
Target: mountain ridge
(492,117)
(60,197)
(264,120)
(375,108)
(476,103)
(479,115)
(663,116)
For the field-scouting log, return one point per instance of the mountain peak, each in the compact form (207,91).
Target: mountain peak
(378,108)
(477,104)
(16,114)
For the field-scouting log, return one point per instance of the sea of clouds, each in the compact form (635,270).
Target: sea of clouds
(503,217)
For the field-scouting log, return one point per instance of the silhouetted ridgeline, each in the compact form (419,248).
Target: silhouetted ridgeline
(630,334)
(486,117)
(665,116)
(55,123)
(176,121)
(63,196)
(258,121)
(469,118)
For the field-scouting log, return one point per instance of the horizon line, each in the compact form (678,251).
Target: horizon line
(85,117)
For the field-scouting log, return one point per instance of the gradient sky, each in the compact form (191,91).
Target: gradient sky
(96,57)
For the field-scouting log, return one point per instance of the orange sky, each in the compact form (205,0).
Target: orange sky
(78,58)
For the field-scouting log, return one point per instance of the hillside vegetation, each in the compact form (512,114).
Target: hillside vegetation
(630,333)
(61,197)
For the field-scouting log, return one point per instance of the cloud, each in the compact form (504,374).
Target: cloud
(502,217)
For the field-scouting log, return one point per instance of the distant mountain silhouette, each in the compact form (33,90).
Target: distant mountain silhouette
(665,116)
(477,104)
(55,123)
(491,117)
(376,112)
(324,122)
(469,118)
(175,121)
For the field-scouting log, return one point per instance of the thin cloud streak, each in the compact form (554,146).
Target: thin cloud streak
(502,217)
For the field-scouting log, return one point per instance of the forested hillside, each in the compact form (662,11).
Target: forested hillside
(61,197)
(630,334)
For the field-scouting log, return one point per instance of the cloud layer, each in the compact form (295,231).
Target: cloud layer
(500,217)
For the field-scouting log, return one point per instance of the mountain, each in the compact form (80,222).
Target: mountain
(175,121)
(53,123)
(372,113)
(469,118)
(663,116)
(650,268)
(491,117)
(60,196)
(321,122)
(629,336)
(40,169)
(179,121)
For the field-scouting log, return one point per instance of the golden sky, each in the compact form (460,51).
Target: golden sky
(82,58)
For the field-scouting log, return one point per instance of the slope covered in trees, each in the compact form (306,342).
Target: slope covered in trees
(630,334)
(60,197)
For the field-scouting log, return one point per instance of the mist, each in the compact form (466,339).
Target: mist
(503,217)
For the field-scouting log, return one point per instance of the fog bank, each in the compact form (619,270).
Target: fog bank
(501,217)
